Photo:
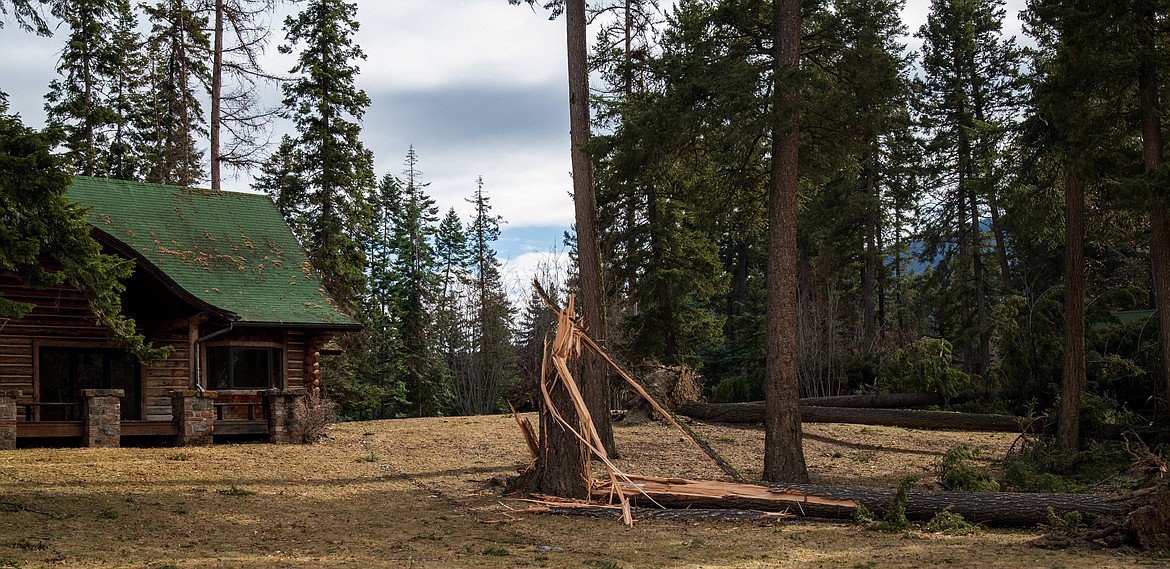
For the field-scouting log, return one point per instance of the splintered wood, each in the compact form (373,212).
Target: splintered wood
(625,490)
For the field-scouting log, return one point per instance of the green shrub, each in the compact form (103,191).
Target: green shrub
(1040,465)
(956,471)
(894,518)
(951,523)
(924,366)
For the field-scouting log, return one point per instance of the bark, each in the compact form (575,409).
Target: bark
(1151,121)
(1005,267)
(814,500)
(688,515)
(594,380)
(990,508)
(872,262)
(1073,382)
(783,451)
(754,413)
(216,94)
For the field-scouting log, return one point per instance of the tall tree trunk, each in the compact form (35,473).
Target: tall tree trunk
(1005,268)
(1073,382)
(1151,120)
(594,379)
(216,94)
(869,273)
(981,311)
(783,450)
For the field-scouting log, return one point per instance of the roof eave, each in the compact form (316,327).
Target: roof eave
(142,262)
(339,327)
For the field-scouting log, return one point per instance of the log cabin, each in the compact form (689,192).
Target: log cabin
(220,278)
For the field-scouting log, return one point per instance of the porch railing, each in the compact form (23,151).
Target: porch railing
(45,412)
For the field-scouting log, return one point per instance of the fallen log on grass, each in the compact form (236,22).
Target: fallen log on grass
(988,508)
(754,413)
(838,502)
(687,515)
(648,491)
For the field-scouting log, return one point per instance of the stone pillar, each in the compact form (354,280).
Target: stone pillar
(8,413)
(279,407)
(195,413)
(102,409)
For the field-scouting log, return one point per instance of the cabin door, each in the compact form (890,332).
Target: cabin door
(66,371)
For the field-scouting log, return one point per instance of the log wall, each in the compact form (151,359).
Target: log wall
(61,317)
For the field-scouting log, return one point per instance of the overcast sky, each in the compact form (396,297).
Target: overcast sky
(478,87)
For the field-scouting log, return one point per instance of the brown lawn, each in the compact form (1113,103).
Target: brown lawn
(420,493)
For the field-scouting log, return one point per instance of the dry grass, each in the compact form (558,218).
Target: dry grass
(418,493)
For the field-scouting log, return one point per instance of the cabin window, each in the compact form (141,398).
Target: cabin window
(243,367)
(63,372)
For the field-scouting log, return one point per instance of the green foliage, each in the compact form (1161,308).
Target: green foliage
(497,551)
(38,223)
(172,117)
(894,517)
(1069,522)
(924,366)
(950,523)
(1040,465)
(109,514)
(95,68)
(320,178)
(956,471)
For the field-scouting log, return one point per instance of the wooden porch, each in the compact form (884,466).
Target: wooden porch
(263,414)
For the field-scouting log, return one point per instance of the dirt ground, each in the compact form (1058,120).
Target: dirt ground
(421,493)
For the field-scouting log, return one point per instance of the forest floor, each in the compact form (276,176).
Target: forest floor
(425,493)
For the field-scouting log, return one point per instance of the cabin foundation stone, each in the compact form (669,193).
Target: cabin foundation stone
(8,412)
(280,406)
(195,413)
(103,417)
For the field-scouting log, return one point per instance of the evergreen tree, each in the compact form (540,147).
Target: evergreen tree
(176,50)
(488,365)
(413,293)
(38,223)
(968,95)
(83,102)
(451,255)
(783,445)
(324,174)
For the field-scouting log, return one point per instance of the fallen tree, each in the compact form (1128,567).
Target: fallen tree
(754,413)
(839,502)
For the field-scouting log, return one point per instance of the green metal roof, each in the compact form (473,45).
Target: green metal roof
(230,250)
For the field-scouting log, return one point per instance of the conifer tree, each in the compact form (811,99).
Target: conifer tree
(93,66)
(968,95)
(324,174)
(176,50)
(413,291)
(488,364)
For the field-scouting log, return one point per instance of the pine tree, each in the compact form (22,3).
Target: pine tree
(783,444)
(487,367)
(413,292)
(324,173)
(969,93)
(93,66)
(176,48)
